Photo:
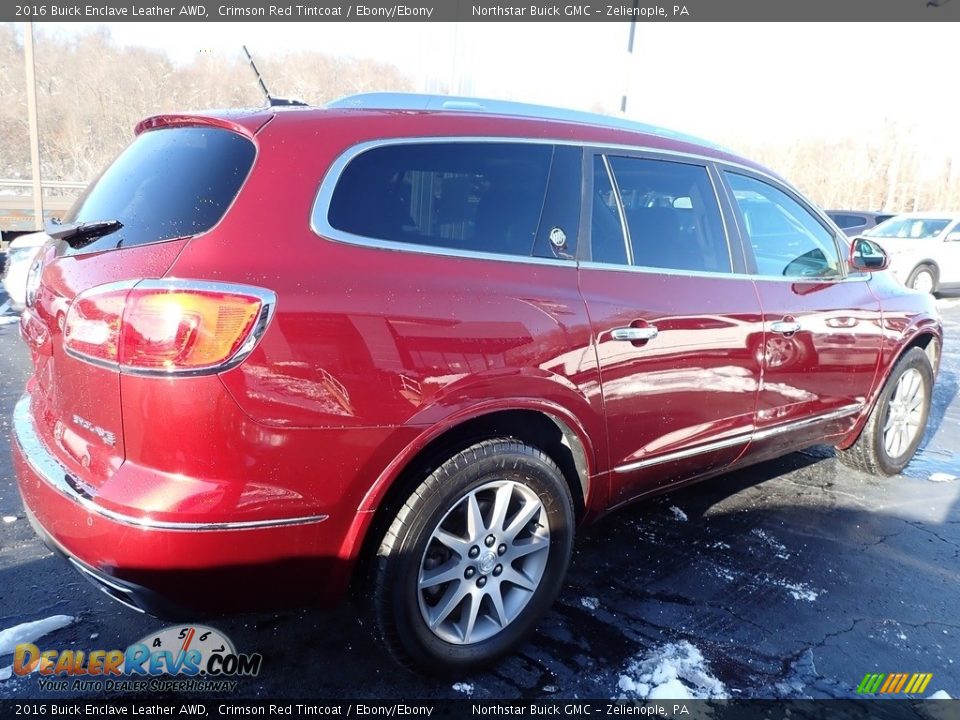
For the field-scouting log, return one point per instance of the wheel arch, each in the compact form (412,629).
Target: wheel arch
(925,338)
(551,428)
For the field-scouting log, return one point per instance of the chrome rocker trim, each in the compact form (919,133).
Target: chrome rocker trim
(743,438)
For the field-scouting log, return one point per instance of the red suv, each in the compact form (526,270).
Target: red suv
(410,344)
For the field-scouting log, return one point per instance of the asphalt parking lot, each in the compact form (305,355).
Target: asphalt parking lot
(790,579)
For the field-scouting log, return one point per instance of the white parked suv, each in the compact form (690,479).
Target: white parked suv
(20,256)
(924,249)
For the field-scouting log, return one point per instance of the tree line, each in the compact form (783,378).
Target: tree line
(91,92)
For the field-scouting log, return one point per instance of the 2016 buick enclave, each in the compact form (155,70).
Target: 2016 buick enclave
(413,343)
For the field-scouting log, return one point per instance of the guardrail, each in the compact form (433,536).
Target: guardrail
(16,208)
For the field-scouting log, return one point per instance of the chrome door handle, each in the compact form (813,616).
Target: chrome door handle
(785,327)
(634,334)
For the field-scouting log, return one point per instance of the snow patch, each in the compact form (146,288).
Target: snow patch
(465,688)
(590,603)
(8,319)
(939,695)
(724,573)
(31,632)
(936,477)
(9,518)
(778,547)
(799,591)
(6,672)
(675,671)
(678,513)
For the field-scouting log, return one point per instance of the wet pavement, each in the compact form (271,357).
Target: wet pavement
(793,578)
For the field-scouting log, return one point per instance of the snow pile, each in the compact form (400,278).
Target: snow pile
(678,513)
(942,477)
(940,695)
(31,632)
(462,687)
(677,671)
(590,603)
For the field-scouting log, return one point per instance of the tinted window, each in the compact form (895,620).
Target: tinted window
(484,197)
(672,215)
(560,220)
(848,221)
(787,239)
(168,183)
(608,243)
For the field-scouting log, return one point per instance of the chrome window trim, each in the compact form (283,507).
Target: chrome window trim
(621,213)
(268,306)
(743,437)
(319,210)
(49,469)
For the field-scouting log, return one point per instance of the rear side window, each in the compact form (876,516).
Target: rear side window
(472,196)
(673,218)
(168,183)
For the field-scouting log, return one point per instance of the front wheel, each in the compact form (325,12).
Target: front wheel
(474,558)
(895,426)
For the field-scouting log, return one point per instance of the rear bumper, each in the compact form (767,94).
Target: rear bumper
(168,567)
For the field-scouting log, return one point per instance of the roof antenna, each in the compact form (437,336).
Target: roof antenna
(271,101)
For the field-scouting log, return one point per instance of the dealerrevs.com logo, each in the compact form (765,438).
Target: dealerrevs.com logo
(178,658)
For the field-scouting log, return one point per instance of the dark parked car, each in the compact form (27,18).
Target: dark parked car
(279,351)
(854,222)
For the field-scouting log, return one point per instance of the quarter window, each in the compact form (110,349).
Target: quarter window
(787,239)
(484,197)
(673,220)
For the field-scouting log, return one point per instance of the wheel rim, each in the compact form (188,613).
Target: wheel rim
(923,282)
(904,413)
(484,561)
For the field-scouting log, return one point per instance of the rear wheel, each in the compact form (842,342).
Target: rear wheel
(474,558)
(923,279)
(895,426)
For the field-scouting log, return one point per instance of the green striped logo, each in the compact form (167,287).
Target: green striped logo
(894,683)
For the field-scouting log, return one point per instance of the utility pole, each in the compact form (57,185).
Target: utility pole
(628,72)
(34,128)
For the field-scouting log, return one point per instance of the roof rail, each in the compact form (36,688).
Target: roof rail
(451,103)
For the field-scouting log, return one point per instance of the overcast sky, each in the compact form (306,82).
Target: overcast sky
(765,80)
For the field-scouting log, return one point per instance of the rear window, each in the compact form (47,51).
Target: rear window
(168,183)
(481,197)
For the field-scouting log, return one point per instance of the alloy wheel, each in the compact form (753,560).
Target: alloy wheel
(483,562)
(904,413)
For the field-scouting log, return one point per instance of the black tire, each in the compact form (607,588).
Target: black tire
(869,453)
(397,600)
(921,270)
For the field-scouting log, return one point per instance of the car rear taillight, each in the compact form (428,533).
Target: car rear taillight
(167,326)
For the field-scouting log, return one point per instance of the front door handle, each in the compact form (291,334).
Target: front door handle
(635,334)
(785,327)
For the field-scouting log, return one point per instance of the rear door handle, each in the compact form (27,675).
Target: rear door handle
(785,327)
(635,334)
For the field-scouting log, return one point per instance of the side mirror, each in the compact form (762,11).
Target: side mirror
(867,256)
(953,236)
